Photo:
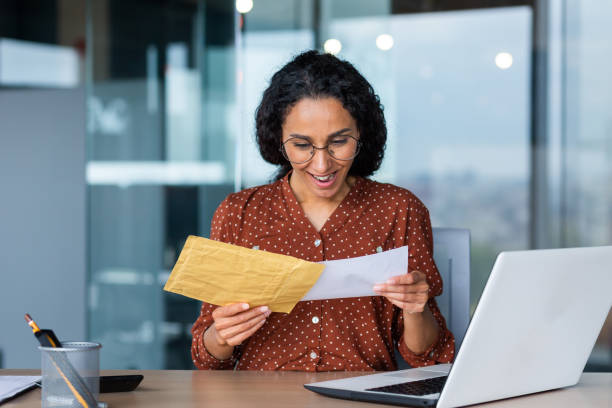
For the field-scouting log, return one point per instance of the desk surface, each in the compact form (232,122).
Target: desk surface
(285,389)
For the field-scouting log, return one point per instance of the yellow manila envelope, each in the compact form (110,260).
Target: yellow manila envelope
(220,273)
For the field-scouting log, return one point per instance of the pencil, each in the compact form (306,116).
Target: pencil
(75,383)
(46,338)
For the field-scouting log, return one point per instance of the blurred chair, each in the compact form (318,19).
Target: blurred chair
(452,257)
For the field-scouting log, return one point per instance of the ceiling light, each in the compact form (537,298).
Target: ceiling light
(503,60)
(332,46)
(384,42)
(244,6)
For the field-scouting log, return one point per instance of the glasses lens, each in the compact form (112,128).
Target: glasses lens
(297,150)
(343,147)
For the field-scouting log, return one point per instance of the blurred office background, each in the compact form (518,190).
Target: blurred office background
(124,123)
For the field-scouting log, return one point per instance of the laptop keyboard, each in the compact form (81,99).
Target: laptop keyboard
(421,387)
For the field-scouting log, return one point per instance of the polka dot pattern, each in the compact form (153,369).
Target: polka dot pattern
(355,334)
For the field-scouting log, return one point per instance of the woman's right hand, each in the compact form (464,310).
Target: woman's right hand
(232,325)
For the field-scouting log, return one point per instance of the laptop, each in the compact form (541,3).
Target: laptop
(533,330)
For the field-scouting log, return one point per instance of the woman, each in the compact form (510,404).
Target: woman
(322,123)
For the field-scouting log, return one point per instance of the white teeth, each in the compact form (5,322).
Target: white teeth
(326,178)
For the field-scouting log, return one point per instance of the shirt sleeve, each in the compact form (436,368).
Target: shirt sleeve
(221,229)
(420,247)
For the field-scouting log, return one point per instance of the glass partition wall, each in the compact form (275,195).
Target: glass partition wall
(161,137)
(172,90)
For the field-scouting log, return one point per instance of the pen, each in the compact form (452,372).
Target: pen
(77,386)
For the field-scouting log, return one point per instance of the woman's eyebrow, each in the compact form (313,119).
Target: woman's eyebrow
(297,135)
(337,133)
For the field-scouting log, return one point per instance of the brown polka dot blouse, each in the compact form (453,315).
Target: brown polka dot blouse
(357,334)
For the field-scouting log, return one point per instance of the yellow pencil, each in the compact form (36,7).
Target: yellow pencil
(75,383)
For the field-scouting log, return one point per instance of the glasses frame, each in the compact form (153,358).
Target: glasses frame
(314,148)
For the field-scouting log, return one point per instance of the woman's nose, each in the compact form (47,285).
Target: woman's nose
(321,160)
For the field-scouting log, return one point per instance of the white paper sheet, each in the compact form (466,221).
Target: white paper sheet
(355,277)
(11,385)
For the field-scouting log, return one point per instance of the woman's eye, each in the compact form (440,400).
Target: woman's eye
(339,142)
(302,145)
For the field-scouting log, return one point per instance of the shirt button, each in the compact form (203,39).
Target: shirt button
(315,320)
(378,249)
(431,354)
(313,355)
(317,242)
(255,246)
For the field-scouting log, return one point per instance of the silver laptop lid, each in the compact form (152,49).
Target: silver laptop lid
(535,325)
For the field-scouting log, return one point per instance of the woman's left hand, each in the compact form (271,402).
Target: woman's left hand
(409,292)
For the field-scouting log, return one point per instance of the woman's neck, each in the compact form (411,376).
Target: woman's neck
(319,209)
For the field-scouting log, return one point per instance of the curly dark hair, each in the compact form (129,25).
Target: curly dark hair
(313,74)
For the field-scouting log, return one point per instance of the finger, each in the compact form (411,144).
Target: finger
(421,287)
(404,279)
(408,307)
(417,298)
(236,340)
(235,330)
(242,317)
(399,288)
(407,278)
(229,310)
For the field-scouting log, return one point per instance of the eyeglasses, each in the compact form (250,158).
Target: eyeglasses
(298,150)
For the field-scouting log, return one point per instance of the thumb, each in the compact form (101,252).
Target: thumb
(417,276)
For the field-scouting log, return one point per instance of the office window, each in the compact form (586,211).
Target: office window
(582,132)
(458,119)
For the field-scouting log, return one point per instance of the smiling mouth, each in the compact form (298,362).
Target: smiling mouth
(324,179)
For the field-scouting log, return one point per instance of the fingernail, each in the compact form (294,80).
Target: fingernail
(268,313)
(245,306)
(390,281)
(377,287)
(263,309)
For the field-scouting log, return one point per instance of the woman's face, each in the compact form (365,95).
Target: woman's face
(320,122)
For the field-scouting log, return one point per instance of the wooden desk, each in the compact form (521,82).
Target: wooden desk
(227,389)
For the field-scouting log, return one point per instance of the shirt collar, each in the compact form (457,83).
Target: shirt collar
(348,207)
